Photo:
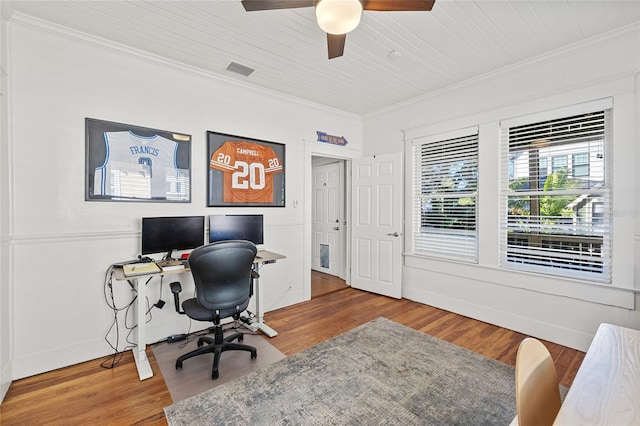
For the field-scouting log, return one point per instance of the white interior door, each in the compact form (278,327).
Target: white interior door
(328,219)
(376,249)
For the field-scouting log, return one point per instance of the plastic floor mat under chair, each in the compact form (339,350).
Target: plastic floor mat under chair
(195,375)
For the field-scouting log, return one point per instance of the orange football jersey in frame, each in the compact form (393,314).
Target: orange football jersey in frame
(248,170)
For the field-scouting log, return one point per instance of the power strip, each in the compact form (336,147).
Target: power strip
(176,338)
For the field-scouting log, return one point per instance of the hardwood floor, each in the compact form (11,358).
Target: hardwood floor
(322,284)
(89,394)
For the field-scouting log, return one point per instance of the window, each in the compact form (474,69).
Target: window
(542,170)
(580,164)
(597,214)
(558,225)
(445,196)
(559,162)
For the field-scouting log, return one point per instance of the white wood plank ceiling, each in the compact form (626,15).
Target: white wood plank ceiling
(457,41)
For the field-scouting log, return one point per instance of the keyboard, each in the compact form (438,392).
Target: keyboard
(173,267)
(134,269)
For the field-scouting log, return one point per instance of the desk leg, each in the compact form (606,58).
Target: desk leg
(260,325)
(139,352)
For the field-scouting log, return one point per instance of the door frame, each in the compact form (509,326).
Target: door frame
(316,149)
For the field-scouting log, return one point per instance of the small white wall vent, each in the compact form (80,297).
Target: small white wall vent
(240,69)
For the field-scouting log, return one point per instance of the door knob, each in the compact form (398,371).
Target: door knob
(395,234)
(336,228)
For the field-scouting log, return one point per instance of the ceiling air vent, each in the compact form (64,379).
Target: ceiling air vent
(239,69)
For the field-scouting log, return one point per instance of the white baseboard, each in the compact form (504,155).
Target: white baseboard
(538,328)
(39,362)
(5,381)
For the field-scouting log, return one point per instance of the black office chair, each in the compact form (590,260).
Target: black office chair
(223,276)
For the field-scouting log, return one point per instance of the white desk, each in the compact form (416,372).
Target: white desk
(606,390)
(263,257)
(140,354)
(140,336)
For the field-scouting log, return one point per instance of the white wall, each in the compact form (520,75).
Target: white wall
(6,346)
(564,311)
(63,245)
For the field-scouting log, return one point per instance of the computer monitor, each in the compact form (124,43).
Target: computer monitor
(165,234)
(223,227)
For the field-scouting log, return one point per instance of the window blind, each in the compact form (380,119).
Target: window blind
(556,195)
(445,197)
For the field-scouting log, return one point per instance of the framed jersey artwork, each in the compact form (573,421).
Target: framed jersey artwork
(244,172)
(132,163)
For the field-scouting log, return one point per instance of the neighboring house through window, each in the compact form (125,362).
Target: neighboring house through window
(558,224)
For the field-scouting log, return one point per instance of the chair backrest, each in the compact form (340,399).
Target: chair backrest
(222,274)
(537,391)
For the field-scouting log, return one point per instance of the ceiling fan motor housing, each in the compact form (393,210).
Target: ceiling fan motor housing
(338,16)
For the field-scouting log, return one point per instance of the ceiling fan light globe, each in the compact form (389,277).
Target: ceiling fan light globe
(338,16)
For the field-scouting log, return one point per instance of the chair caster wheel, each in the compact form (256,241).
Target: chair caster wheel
(178,365)
(200,343)
(240,337)
(215,375)
(254,355)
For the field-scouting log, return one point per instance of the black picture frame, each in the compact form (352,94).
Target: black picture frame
(133,163)
(244,172)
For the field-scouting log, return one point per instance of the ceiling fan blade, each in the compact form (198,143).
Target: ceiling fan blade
(335,43)
(398,5)
(253,5)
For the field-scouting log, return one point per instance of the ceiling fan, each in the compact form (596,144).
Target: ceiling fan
(338,17)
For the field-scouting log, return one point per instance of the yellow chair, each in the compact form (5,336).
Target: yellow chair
(537,391)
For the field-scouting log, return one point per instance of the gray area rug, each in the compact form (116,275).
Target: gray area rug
(195,375)
(379,373)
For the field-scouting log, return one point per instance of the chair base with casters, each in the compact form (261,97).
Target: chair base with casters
(217,345)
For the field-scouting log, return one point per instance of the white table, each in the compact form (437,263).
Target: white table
(262,258)
(139,334)
(139,352)
(606,390)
